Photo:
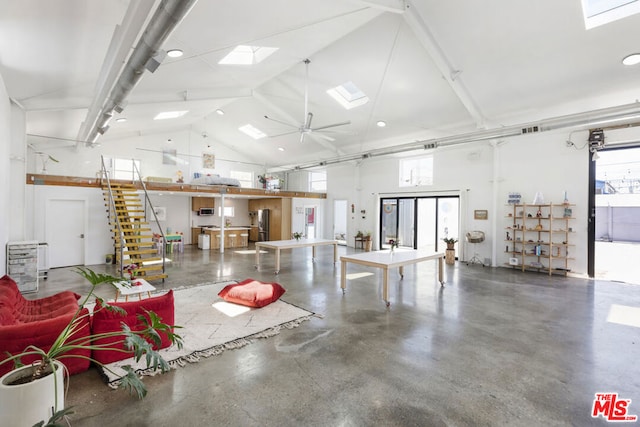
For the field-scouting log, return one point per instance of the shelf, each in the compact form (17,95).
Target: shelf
(531,227)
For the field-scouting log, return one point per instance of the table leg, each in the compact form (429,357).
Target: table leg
(335,253)
(257,256)
(313,253)
(343,276)
(277,260)
(117,295)
(401,271)
(440,273)
(385,286)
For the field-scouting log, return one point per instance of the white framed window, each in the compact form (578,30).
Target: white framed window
(416,171)
(318,181)
(228,211)
(120,168)
(245,178)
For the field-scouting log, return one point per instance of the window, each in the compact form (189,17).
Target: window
(348,95)
(121,168)
(245,178)
(416,171)
(600,12)
(318,181)
(228,211)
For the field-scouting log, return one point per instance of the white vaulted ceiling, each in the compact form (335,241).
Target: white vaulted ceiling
(431,69)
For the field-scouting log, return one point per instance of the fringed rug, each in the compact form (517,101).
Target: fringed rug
(211,326)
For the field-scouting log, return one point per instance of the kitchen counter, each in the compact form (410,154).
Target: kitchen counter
(229,241)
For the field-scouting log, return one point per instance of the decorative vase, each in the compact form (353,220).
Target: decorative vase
(450,245)
(29,403)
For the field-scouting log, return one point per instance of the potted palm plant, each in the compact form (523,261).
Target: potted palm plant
(45,377)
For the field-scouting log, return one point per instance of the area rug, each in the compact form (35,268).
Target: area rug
(210,326)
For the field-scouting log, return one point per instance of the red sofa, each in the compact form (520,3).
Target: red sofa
(105,321)
(38,322)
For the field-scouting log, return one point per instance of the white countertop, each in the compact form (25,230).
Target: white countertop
(225,229)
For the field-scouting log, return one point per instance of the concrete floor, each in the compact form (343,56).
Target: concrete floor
(493,347)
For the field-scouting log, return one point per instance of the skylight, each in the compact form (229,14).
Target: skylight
(348,95)
(252,131)
(170,115)
(600,12)
(247,55)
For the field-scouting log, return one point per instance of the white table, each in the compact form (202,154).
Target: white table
(126,289)
(278,245)
(386,260)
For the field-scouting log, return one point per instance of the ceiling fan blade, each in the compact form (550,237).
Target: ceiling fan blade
(323,136)
(307,124)
(331,126)
(283,134)
(281,122)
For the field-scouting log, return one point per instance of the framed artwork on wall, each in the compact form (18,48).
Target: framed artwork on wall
(480,214)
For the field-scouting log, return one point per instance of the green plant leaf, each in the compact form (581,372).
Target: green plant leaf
(132,383)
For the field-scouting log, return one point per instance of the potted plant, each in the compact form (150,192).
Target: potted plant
(41,374)
(450,253)
(297,236)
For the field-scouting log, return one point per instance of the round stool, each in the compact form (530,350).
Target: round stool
(232,240)
(245,239)
(218,241)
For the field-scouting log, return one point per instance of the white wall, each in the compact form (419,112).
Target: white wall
(482,174)
(97,233)
(6,210)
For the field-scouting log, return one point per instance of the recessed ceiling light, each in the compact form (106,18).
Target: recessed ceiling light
(252,131)
(170,115)
(632,59)
(280,148)
(381,123)
(121,119)
(220,112)
(174,53)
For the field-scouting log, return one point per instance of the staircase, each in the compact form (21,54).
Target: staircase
(133,239)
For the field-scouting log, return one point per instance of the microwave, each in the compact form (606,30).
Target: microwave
(206,211)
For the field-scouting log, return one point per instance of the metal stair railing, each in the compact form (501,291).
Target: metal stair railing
(163,242)
(112,212)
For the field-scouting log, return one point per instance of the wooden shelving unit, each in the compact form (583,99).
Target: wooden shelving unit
(537,238)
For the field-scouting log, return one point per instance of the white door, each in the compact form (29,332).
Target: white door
(65,230)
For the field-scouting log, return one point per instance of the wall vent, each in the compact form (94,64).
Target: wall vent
(531,129)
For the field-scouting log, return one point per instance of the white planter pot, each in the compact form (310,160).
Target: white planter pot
(26,404)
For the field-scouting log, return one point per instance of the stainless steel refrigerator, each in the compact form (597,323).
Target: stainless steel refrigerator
(263,225)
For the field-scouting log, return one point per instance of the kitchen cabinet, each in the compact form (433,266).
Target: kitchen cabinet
(280,216)
(202,202)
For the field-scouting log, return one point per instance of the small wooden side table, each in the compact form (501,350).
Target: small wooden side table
(137,286)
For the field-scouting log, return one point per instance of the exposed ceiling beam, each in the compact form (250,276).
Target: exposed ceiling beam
(449,73)
(393,6)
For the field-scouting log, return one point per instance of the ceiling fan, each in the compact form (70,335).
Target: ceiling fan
(305,128)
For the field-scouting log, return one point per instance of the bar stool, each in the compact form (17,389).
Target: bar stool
(218,241)
(245,239)
(232,239)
